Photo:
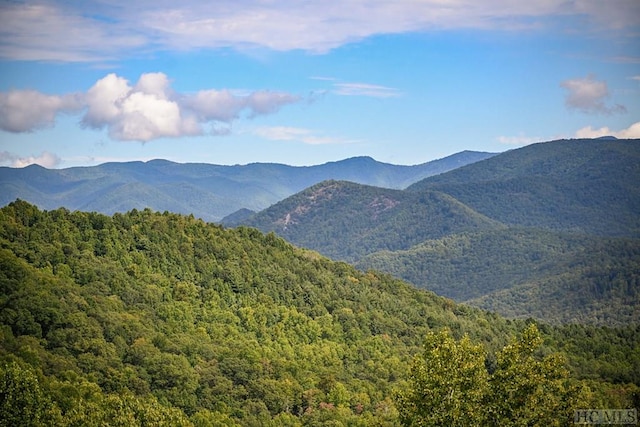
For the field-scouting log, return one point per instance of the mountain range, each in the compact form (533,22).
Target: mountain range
(207,191)
(550,230)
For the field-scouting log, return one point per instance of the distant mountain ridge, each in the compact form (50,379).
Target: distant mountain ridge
(207,191)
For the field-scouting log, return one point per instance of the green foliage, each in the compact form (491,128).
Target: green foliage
(526,390)
(22,400)
(449,385)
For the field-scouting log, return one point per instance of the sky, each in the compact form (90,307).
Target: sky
(308,82)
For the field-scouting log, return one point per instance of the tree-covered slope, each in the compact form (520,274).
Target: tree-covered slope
(522,272)
(207,191)
(168,319)
(347,221)
(234,322)
(589,186)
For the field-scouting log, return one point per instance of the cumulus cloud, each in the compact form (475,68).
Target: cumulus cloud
(588,95)
(94,31)
(46,159)
(306,136)
(148,110)
(140,113)
(26,110)
(632,132)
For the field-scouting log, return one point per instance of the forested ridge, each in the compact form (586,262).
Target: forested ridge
(549,231)
(149,318)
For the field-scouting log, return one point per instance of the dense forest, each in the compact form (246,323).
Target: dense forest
(149,318)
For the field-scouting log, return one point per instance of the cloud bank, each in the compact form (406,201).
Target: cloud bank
(588,95)
(519,140)
(93,31)
(148,110)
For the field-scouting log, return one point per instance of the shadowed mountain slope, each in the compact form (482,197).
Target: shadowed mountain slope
(521,272)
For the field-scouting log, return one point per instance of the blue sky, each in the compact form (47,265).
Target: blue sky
(302,83)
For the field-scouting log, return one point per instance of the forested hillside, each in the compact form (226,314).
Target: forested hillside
(207,191)
(146,318)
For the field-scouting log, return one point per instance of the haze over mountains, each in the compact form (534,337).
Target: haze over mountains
(549,230)
(207,191)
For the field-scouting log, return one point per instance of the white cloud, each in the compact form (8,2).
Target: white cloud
(632,132)
(267,102)
(588,95)
(306,136)
(46,159)
(26,110)
(103,99)
(139,113)
(148,110)
(213,104)
(97,31)
(365,89)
